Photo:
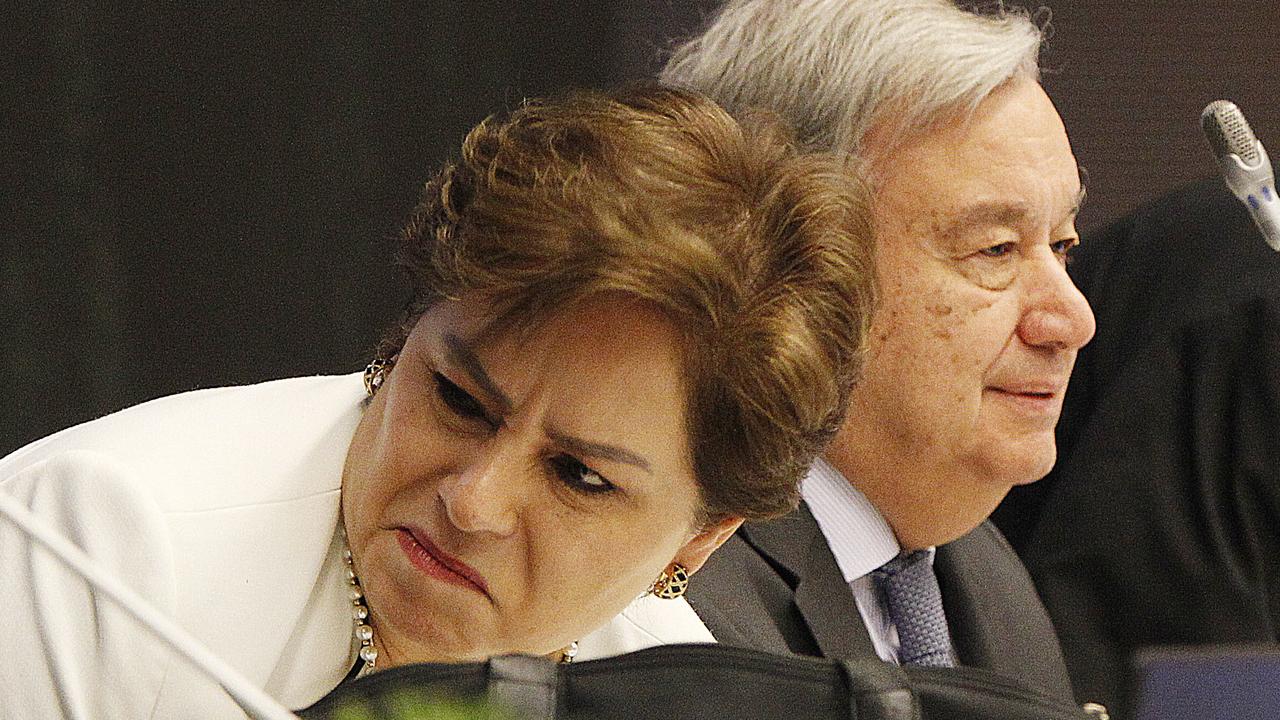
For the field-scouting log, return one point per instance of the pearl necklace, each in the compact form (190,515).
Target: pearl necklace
(364,631)
(360,619)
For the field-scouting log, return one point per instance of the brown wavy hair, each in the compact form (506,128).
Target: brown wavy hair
(759,257)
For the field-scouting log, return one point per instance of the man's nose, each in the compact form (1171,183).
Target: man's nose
(485,494)
(1056,314)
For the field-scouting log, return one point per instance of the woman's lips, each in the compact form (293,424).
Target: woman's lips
(435,562)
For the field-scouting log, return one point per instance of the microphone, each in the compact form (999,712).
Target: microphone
(1244,165)
(256,703)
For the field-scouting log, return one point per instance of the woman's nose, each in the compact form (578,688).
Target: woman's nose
(484,496)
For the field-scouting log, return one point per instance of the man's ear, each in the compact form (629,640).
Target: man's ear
(700,546)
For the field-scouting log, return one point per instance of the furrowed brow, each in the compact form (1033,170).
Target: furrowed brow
(599,450)
(459,354)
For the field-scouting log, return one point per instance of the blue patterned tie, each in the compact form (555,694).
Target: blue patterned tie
(915,607)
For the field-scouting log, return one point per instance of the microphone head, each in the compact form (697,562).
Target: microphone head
(1228,132)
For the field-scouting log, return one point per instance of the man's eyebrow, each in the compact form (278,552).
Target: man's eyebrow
(460,355)
(599,450)
(999,213)
(984,214)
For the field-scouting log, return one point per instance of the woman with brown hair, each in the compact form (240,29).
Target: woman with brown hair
(634,323)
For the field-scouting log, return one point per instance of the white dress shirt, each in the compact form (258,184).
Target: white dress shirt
(861,541)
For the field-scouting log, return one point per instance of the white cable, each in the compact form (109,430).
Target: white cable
(256,703)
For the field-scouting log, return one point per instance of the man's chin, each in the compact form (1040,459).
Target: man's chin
(1031,467)
(1009,462)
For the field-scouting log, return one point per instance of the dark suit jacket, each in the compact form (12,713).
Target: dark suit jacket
(775,586)
(1161,523)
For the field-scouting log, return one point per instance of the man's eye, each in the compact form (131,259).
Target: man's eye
(1063,248)
(997,250)
(573,473)
(460,401)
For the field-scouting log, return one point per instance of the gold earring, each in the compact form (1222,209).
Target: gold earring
(376,372)
(671,582)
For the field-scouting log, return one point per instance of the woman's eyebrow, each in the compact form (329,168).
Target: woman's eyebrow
(459,354)
(599,450)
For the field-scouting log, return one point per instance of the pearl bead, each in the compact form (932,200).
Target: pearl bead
(359,613)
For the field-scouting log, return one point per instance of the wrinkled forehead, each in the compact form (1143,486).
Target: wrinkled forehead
(975,213)
(1010,162)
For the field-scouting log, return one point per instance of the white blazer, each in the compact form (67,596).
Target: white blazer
(221,508)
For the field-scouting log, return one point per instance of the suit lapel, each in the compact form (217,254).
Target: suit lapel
(795,546)
(997,622)
(977,601)
(721,594)
(961,599)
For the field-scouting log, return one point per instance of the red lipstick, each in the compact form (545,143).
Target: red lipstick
(438,564)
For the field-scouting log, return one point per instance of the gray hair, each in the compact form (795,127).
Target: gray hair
(835,69)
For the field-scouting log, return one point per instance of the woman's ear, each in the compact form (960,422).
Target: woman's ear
(700,546)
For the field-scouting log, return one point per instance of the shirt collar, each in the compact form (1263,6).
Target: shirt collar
(859,537)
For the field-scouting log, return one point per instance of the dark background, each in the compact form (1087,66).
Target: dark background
(196,197)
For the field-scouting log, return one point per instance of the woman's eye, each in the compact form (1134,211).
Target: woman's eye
(460,401)
(997,250)
(578,476)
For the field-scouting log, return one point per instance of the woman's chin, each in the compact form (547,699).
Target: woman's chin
(414,641)
(418,618)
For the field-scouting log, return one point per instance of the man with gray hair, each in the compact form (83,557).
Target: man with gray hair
(975,195)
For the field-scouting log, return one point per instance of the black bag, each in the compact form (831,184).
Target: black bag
(699,681)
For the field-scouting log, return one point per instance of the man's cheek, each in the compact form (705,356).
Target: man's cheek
(985,273)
